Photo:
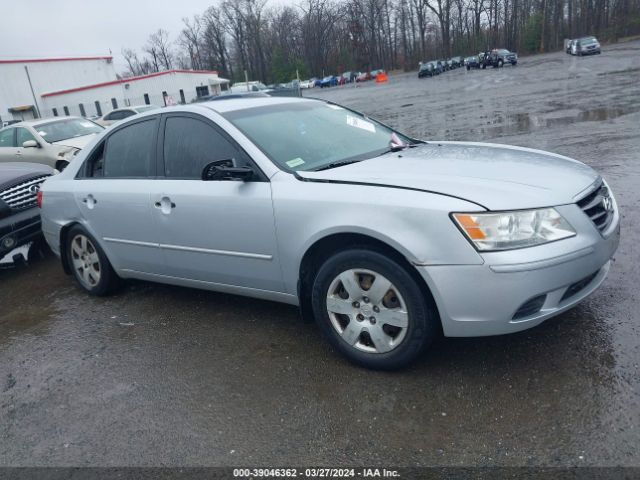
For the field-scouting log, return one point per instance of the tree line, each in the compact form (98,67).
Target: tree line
(323,37)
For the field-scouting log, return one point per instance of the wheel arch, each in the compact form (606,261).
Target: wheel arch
(64,232)
(324,247)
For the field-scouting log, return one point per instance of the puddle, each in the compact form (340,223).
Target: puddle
(515,123)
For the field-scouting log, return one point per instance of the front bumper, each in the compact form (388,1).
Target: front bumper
(21,228)
(480,300)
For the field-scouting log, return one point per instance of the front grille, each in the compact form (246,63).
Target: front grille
(22,195)
(598,206)
(577,287)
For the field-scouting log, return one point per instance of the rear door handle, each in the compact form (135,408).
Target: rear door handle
(165,205)
(90,201)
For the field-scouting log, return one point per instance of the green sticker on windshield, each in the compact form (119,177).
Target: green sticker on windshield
(296,162)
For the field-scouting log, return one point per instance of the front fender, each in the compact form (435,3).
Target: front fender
(414,223)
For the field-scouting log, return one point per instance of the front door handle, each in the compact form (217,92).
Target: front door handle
(165,205)
(90,201)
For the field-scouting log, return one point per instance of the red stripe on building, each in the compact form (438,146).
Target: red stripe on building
(44,60)
(125,80)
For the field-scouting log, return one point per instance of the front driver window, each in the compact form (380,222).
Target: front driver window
(190,144)
(23,136)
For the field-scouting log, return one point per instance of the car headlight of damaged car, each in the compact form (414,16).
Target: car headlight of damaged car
(517,229)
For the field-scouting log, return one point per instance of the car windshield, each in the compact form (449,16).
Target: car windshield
(588,40)
(312,135)
(58,130)
(503,51)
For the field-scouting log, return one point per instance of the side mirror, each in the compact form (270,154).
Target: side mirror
(225,170)
(30,144)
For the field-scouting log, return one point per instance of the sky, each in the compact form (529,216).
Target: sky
(68,28)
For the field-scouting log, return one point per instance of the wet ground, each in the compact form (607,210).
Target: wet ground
(159,375)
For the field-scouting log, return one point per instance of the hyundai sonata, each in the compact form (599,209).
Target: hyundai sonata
(385,240)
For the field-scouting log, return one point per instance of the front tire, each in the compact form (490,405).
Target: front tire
(372,310)
(89,264)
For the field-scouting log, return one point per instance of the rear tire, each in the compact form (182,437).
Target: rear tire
(89,264)
(372,310)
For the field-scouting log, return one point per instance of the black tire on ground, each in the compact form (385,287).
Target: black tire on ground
(500,63)
(422,314)
(468,67)
(108,281)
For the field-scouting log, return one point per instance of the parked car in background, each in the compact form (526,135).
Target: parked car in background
(49,141)
(349,77)
(426,70)
(457,62)
(498,57)
(121,113)
(19,215)
(586,46)
(312,204)
(306,84)
(363,77)
(252,86)
(472,62)
(6,123)
(318,82)
(329,81)
(374,73)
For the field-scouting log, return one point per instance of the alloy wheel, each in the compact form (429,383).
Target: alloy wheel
(86,261)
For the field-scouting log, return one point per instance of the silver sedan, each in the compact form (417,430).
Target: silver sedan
(385,240)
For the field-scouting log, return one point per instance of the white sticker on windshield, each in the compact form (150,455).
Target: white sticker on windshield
(360,123)
(334,107)
(42,134)
(296,162)
(86,124)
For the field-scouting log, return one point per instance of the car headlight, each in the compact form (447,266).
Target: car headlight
(517,229)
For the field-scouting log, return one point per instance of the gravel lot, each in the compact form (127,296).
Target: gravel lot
(159,375)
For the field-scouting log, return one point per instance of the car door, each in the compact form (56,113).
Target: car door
(221,231)
(7,145)
(113,196)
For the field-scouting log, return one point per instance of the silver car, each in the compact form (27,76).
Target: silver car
(49,141)
(382,238)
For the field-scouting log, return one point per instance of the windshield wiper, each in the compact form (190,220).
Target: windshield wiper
(397,148)
(336,164)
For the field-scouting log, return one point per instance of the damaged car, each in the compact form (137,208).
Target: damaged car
(49,141)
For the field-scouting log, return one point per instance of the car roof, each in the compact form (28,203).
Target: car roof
(233,104)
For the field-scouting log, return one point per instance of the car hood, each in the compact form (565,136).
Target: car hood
(496,177)
(76,142)
(12,173)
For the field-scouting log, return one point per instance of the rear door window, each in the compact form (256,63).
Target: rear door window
(130,151)
(6,138)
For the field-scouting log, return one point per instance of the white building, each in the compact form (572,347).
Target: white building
(22,82)
(89,86)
